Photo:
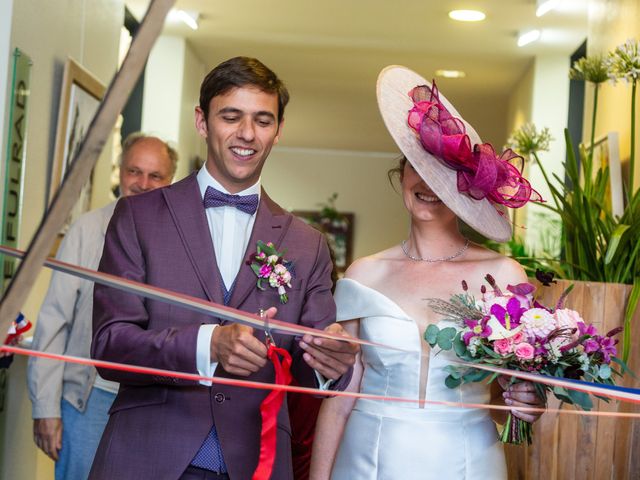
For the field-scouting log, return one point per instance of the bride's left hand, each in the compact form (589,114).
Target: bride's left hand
(521,394)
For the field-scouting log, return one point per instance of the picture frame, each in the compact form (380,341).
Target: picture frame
(339,233)
(80,96)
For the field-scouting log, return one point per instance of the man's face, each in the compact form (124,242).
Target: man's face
(146,166)
(240,131)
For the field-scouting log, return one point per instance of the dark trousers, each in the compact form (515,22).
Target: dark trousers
(195,473)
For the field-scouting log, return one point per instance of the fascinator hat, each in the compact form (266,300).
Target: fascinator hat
(470,178)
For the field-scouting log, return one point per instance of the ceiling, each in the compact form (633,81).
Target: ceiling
(329,54)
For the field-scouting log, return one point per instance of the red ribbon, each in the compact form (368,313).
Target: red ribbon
(269,409)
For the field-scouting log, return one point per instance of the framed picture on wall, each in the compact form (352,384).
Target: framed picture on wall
(80,97)
(338,229)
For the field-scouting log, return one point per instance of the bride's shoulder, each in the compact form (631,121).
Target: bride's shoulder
(367,269)
(504,269)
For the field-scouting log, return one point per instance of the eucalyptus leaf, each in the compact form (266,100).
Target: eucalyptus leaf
(581,398)
(459,346)
(451,382)
(604,371)
(431,334)
(445,338)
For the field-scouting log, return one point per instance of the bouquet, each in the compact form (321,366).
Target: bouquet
(512,330)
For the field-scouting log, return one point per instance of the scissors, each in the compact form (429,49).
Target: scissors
(267,330)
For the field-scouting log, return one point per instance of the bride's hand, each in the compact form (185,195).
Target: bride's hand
(521,394)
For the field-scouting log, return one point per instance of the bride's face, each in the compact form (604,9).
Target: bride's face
(419,199)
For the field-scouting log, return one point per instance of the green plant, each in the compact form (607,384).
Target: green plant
(596,245)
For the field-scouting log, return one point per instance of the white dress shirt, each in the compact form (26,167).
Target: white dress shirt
(230,230)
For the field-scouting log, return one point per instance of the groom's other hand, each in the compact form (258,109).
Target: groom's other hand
(331,358)
(238,350)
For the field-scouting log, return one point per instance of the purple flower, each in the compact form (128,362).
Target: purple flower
(265,271)
(477,329)
(508,317)
(587,329)
(607,348)
(591,345)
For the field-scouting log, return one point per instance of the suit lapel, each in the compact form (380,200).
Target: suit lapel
(271,224)
(185,205)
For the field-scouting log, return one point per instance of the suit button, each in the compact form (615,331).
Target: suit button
(80,403)
(219,397)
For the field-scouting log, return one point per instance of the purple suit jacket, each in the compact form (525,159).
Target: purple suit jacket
(157,424)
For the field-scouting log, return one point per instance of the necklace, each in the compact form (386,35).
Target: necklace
(435,260)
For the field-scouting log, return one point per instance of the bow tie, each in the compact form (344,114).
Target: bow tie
(244,203)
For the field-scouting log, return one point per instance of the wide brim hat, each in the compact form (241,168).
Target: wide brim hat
(394,85)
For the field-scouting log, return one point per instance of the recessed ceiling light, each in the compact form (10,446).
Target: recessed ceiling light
(528,37)
(450,73)
(467,15)
(189,18)
(545,6)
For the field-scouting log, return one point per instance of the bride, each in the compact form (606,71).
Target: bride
(382,299)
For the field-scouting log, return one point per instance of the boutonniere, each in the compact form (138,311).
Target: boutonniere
(269,265)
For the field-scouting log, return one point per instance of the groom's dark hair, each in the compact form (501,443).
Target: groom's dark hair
(241,72)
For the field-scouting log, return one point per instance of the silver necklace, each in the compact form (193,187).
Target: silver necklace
(435,260)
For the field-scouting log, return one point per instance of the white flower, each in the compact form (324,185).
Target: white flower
(537,322)
(280,269)
(498,331)
(624,61)
(272,259)
(273,280)
(474,343)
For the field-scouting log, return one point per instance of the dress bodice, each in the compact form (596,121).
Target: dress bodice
(388,440)
(397,372)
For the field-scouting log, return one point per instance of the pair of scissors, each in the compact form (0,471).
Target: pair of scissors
(267,331)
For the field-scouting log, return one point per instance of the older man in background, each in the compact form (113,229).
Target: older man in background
(69,414)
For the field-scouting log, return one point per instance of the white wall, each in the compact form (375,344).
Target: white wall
(541,97)
(171,90)
(300,179)
(49,31)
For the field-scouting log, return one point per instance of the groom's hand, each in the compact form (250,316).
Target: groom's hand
(331,358)
(237,350)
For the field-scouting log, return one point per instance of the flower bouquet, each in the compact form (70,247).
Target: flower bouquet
(514,331)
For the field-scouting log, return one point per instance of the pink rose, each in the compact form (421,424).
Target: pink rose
(517,338)
(524,351)
(502,346)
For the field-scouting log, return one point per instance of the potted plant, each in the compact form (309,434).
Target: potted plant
(600,254)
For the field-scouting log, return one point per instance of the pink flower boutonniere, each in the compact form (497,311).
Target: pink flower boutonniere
(269,265)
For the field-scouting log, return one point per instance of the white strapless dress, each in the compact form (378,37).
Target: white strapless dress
(401,441)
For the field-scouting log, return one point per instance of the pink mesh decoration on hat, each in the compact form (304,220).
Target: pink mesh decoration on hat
(481,172)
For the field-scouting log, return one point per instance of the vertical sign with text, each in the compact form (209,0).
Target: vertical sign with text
(15,160)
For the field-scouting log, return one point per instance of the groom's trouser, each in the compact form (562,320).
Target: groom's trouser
(195,473)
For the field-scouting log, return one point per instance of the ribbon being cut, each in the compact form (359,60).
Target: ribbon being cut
(273,401)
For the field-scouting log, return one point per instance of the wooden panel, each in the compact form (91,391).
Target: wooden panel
(592,448)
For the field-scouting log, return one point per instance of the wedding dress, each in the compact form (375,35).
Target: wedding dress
(403,441)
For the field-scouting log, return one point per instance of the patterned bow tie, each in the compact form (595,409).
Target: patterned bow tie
(244,203)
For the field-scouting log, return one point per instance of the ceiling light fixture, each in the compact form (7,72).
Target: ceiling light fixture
(545,6)
(189,18)
(528,37)
(467,15)
(450,73)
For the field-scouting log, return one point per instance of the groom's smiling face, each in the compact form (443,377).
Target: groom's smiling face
(240,131)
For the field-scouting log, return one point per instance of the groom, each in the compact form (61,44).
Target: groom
(195,237)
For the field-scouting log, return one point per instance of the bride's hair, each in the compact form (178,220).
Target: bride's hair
(397,171)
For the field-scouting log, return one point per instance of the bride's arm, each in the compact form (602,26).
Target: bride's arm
(332,418)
